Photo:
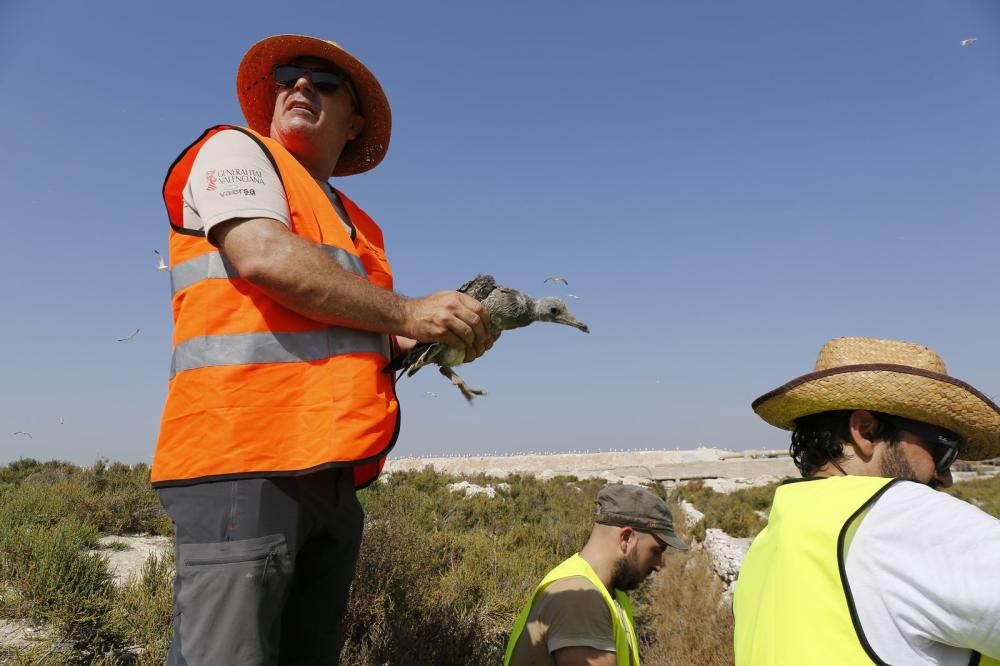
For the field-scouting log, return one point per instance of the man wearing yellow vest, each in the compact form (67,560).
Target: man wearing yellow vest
(579,614)
(284,316)
(863,561)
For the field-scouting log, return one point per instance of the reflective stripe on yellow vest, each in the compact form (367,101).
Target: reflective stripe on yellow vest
(255,388)
(792,603)
(626,643)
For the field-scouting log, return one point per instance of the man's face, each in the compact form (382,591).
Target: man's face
(306,118)
(643,558)
(913,458)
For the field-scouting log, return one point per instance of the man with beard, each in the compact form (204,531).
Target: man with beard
(579,613)
(862,560)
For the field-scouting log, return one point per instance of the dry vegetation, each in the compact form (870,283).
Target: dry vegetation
(440,579)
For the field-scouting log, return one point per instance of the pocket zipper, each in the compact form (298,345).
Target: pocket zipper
(247,558)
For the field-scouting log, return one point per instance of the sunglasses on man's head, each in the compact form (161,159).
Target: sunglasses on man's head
(946,443)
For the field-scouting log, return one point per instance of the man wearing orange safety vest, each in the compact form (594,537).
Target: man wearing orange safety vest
(284,316)
(864,561)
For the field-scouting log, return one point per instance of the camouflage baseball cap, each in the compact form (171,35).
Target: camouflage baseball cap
(638,508)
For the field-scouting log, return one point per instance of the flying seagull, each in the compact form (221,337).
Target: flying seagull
(508,309)
(430,394)
(162,266)
(61,419)
(556,278)
(969,42)
(572,296)
(129,337)
(21,432)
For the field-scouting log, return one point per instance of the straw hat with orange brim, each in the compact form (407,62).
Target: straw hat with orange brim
(893,377)
(257,93)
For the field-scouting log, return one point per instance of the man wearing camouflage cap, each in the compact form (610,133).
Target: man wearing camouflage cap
(579,613)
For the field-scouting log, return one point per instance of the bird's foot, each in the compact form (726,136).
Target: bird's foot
(469,393)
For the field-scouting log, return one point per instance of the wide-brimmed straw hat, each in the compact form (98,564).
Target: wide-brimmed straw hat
(890,376)
(257,93)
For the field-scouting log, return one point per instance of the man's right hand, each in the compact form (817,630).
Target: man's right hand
(453,318)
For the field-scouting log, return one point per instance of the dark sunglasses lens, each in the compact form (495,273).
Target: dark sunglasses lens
(327,81)
(286,75)
(948,456)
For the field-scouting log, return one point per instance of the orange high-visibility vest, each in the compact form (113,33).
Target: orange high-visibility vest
(255,388)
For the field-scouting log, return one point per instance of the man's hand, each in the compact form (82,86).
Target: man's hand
(452,318)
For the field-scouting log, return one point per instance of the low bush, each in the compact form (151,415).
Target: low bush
(741,513)
(440,579)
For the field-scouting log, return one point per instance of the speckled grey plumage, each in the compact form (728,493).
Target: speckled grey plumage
(508,309)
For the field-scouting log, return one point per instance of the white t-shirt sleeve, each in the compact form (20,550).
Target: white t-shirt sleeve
(232,178)
(924,571)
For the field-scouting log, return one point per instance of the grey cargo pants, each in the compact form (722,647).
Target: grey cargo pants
(264,568)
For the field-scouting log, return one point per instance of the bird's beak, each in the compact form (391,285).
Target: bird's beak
(570,320)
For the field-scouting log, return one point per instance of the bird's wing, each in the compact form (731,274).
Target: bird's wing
(479,287)
(420,355)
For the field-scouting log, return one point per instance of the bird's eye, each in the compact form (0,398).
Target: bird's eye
(553,311)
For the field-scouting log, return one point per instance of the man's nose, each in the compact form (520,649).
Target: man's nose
(945,480)
(304,82)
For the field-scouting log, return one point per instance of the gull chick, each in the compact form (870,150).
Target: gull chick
(508,308)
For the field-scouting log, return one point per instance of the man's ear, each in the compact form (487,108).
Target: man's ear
(862,425)
(357,124)
(625,536)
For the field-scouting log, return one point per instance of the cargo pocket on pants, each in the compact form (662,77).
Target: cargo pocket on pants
(229,597)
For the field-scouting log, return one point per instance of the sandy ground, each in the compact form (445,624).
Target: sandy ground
(126,563)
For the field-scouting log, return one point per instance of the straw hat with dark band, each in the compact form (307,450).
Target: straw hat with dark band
(888,376)
(257,93)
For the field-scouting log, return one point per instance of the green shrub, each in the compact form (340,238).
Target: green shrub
(984,493)
(735,513)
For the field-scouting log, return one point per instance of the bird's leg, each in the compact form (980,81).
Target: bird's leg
(469,393)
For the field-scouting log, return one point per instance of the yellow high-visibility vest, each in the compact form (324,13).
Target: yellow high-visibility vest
(626,643)
(793,604)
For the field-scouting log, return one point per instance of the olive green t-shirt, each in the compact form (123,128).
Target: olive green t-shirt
(568,613)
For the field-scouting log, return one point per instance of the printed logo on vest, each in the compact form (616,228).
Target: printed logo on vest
(210,181)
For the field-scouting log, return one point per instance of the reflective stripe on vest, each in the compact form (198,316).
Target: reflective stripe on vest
(213,265)
(792,602)
(249,348)
(626,642)
(257,389)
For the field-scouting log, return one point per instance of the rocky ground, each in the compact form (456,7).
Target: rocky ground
(740,467)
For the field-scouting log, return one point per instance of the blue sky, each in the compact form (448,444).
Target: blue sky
(726,185)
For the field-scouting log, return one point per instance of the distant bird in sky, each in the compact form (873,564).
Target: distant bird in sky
(557,278)
(572,296)
(508,309)
(129,337)
(162,266)
(21,432)
(430,394)
(969,42)
(61,419)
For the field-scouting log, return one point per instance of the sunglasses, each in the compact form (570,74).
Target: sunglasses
(325,81)
(946,443)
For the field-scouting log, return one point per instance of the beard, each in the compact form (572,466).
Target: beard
(896,466)
(626,575)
